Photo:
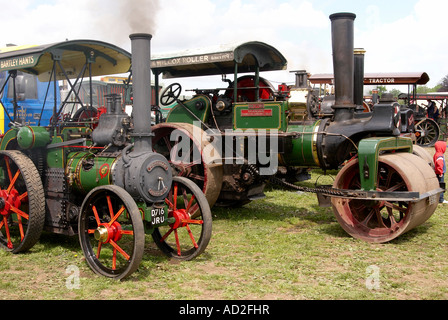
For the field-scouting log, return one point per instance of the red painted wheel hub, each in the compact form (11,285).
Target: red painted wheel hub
(8,200)
(104,233)
(180,215)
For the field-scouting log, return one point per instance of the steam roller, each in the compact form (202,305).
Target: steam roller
(384,220)
(385,186)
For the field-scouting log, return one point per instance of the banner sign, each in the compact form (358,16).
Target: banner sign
(190,60)
(18,62)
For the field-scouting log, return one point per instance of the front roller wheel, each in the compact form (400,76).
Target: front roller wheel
(22,202)
(424,154)
(207,174)
(382,221)
(111,232)
(191,230)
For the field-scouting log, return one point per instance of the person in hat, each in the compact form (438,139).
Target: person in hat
(433,111)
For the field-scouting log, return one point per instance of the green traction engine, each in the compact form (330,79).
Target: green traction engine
(98,179)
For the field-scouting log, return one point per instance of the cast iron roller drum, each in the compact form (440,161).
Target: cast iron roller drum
(206,172)
(383,221)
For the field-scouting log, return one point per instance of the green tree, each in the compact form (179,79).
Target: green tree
(381,90)
(395,92)
(426,89)
(443,84)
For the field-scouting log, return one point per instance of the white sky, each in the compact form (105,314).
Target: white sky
(398,35)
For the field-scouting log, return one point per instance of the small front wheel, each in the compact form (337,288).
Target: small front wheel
(111,232)
(190,232)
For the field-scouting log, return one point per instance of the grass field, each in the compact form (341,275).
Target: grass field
(281,247)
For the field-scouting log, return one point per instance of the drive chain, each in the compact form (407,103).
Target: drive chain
(321,189)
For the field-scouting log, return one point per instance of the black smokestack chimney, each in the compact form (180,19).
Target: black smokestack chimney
(141,87)
(143,173)
(359,77)
(301,79)
(342,34)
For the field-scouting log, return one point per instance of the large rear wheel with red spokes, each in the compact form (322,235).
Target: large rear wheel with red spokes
(22,202)
(190,231)
(111,232)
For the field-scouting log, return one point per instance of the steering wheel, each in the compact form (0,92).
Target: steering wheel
(170,94)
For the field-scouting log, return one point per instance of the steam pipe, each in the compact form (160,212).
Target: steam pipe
(141,85)
(342,33)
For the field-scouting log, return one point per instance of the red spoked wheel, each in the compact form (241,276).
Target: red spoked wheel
(382,221)
(22,202)
(190,230)
(85,113)
(111,232)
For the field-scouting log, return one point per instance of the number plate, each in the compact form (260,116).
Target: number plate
(433,199)
(157,216)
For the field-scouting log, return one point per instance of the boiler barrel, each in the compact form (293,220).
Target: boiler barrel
(302,150)
(86,172)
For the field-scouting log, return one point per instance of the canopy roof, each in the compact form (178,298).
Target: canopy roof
(219,60)
(379,78)
(73,55)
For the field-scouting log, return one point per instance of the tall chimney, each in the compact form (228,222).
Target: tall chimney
(359,77)
(342,34)
(301,79)
(141,87)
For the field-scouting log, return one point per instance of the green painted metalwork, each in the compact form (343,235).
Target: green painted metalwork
(86,171)
(199,106)
(368,152)
(304,146)
(146,212)
(260,115)
(70,133)
(55,156)
(9,137)
(33,137)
